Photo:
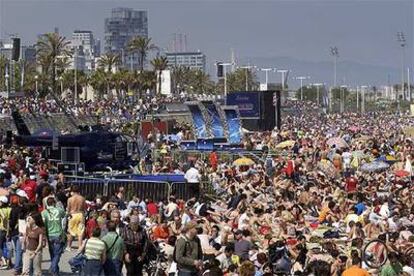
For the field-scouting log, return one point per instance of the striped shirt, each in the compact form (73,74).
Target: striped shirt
(94,249)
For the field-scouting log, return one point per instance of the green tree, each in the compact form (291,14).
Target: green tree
(236,81)
(3,63)
(148,80)
(50,48)
(109,61)
(142,46)
(99,82)
(68,81)
(159,64)
(191,80)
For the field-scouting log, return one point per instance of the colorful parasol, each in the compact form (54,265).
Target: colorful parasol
(285,144)
(338,142)
(243,162)
(374,166)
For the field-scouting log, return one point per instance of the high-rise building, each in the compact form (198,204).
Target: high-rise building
(120,28)
(29,53)
(193,60)
(6,49)
(85,45)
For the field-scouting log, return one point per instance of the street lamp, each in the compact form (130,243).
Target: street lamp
(317,90)
(7,82)
(283,72)
(61,85)
(335,53)
(357,98)
(267,70)
(363,89)
(225,79)
(401,40)
(36,78)
(343,87)
(247,68)
(302,78)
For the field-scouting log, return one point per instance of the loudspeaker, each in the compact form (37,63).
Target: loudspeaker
(220,73)
(16,49)
(278,104)
(267,119)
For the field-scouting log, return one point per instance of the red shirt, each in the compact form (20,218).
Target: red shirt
(152,209)
(160,232)
(213,160)
(29,186)
(351,184)
(290,168)
(90,225)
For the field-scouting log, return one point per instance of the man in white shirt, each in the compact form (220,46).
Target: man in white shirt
(192,175)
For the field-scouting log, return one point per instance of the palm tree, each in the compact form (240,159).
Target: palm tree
(109,60)
(159,64)
(98,81)
(148,80)
(142,45)
(50,48)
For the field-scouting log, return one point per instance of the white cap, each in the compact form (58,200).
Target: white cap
(4,199)
(21,193)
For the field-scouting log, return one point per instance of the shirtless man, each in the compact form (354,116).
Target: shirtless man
(76,224)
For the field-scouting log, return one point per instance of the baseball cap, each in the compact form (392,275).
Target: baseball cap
(4,199)
(21,193)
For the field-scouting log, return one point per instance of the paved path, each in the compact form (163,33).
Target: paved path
(64,266)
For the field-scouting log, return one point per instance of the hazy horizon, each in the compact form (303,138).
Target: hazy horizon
(364,31)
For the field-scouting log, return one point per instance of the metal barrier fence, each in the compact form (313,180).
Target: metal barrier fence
(228,157)
(92,187)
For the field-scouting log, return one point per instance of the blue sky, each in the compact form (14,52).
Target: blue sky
(364,31)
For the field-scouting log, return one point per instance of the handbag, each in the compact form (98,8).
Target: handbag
(78,261)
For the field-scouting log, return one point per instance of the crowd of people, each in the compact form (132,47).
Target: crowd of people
(319,192)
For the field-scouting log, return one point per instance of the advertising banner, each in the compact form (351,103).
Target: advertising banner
(247,102)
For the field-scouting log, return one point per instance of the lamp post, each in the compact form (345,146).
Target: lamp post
(302,78)
(317,85)
(283,72)
(36,78)
(7,82)
(401,40)
(225,79)
(267,70)
(363,88)
(335,53)
(343,87)
(75,97)
(61,85)
(357,98)
(247,68)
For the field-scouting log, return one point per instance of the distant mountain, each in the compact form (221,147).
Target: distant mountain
(348,72)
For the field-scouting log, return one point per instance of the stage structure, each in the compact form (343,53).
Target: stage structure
(213,126)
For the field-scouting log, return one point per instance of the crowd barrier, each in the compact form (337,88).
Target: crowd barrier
(90,188)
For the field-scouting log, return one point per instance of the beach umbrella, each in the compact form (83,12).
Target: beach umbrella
(285,144)
(354,128)
(374,166)
(338,142)
(391,159)
(358,154)
(401,173)
(243,162)
(327,168)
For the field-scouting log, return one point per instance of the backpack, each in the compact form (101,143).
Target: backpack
(187,243)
